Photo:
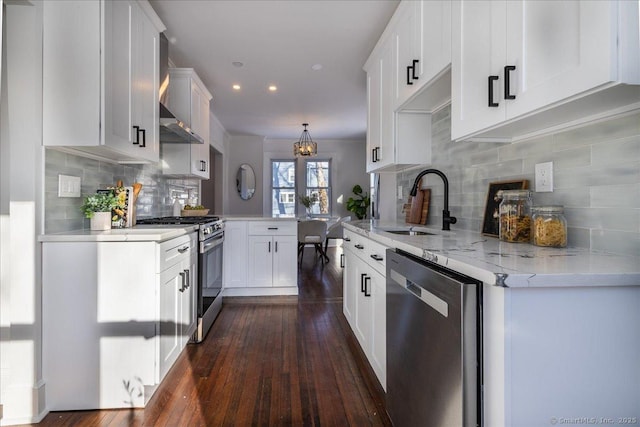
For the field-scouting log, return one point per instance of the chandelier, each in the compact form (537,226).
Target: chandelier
(305,146)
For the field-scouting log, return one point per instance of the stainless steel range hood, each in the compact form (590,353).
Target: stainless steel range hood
(172,129)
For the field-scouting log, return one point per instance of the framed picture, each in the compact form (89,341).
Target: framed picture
(490,226)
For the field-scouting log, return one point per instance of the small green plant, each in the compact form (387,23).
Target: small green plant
(99,202)
(308,201)
(360,203)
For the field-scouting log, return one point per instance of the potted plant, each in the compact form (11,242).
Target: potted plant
(360,203)
(97,207)
(308,201)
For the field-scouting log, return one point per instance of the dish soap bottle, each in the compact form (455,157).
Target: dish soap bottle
(177,207)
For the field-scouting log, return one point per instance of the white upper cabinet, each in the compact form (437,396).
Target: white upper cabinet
(423,45)
(407,79)
(188,99)
(380,115)
(522,68)
(100,99)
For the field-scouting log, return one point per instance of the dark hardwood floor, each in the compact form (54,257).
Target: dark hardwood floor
(288,361)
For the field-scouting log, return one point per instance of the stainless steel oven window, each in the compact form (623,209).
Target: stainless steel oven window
(211,266)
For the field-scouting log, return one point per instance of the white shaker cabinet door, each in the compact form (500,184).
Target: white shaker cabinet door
(131,74)
(381,120)
(171,281)
(559,49)
(285,267)
(234,271)
(349,288)
(478,57)
(260,261)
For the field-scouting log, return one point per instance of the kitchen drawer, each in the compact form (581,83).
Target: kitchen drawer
(175,250)
(373,253)
(273,228)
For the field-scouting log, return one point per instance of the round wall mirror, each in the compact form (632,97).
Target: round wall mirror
(246,181)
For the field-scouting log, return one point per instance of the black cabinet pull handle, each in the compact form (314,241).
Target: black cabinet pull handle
(346,239)
(377,257)
(507,81)
(491,80)
(187,278)
(203,166)
(359,247)
(269,246)
(137,141)
(182,285)
(144,138)
(276,246)
(366,289)
(415,62)
(341,260)
(409,74)
(272,228)
(362,279)
(377,154)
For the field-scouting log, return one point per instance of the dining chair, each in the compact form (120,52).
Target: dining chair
(335,231)
(312,232)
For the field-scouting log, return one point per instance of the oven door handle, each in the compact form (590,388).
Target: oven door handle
(211,243)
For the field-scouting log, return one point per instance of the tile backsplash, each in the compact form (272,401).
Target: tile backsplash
(155,199)
(596,176)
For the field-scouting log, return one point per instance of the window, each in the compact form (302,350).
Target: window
(283,188)
(317,179)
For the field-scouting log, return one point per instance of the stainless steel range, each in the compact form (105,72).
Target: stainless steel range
(210,239)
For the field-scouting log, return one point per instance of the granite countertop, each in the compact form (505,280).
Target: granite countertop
(139,233)
(507,264)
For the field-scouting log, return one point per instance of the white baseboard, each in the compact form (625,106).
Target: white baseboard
(259,292)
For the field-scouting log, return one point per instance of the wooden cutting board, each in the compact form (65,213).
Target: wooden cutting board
(417,211)
(416,208)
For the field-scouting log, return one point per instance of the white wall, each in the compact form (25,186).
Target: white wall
(244,149)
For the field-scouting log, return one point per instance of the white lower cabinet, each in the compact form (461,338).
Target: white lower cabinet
(260,258)
(177,299)
(364,298)
(116,315)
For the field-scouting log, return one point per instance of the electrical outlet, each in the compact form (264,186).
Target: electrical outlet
(69,186)
(544,177)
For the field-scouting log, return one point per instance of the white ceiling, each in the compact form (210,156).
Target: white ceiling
(278,42)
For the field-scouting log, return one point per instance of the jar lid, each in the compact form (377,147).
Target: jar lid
(549,209)
(516,194)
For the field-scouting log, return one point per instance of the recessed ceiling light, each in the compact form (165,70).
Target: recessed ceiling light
(316,67)
(273,88)
(237,64)
(236,87)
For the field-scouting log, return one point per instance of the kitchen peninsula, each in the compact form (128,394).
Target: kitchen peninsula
(559,326)
(260,256)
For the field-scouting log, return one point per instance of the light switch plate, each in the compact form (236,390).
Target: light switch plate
(399,192)
(69,186)
(544,177)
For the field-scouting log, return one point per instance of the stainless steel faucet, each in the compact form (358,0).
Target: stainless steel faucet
(447,219)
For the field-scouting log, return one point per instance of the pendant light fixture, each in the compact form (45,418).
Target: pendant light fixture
(305,147)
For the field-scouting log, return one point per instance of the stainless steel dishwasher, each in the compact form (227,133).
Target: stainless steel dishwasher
(434,344)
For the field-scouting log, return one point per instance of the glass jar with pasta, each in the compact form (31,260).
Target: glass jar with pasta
(515,216)
(549,227)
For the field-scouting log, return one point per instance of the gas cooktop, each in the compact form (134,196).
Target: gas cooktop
(179,220)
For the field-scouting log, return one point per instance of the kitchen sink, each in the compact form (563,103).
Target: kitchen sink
(411,232)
